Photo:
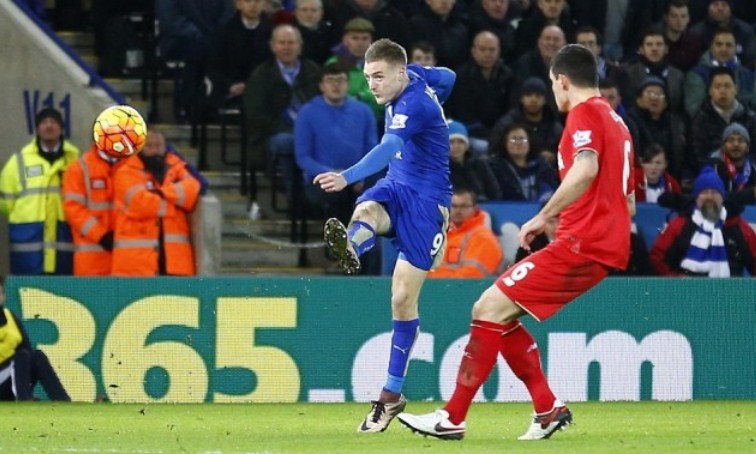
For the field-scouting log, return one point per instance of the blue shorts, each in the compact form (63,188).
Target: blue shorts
(418,225)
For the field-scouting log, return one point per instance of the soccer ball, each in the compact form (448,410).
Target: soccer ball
(120,131)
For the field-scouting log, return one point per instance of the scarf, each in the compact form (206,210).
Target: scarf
(739,179)
(707,254)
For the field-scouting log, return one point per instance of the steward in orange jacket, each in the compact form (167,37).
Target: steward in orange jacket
(472,250)
(154,192)
(90,211)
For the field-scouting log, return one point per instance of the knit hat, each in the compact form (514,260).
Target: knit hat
(736,128)
(708,179)
(359,24)
(48,112)
(533,85)
(458,131)
(651,81)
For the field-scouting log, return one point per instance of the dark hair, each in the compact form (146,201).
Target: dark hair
(589,29)
(332,69)
(578,64)
(651,151)
(724,30)
(676,4)
(388,51)
(423,46)
(606,83)
(721,71)
(654,31)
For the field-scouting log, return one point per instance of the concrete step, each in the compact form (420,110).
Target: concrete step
(80,41)
(277,271)
(248,254)
(274,229)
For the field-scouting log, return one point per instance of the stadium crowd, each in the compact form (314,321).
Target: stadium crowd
(680,73)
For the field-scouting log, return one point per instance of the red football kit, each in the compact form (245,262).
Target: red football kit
(594,231)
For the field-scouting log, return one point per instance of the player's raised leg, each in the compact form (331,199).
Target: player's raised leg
(346,245)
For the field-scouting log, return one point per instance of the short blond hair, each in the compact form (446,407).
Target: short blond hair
(388,51)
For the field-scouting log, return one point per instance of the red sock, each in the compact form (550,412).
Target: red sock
(477,362)
(521,352)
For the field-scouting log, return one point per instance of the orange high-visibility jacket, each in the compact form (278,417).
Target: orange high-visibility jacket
(90,211)
(143,212)
(472,251)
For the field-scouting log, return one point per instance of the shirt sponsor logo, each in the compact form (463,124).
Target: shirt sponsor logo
(399,121)
(99,183)
(581,138)
(34,171)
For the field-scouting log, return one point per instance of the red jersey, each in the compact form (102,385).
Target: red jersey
(597,225)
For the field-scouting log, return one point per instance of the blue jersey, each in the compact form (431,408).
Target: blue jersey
(422,163)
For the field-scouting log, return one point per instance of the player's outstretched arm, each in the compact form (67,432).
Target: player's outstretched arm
(580,176)
(376,160)
(373,162)
(440,79)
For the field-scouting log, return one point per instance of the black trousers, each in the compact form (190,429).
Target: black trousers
(29,368)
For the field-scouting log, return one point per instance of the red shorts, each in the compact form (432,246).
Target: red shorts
(547,280)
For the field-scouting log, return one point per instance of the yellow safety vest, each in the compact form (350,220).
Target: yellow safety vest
(10,337)
(30,195)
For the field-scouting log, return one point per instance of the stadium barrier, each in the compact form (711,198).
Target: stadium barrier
(326,339)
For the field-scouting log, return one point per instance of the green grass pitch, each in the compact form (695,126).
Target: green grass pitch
(638,427)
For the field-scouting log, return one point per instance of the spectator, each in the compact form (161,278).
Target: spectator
(423,54)
(652,61)
(186,28)
(154,194)
(735,165)
(541,123)
(481,93)
(521,175)
(711,241)
(442,25)
(21,366)
(720,54)
(591,38)
(319,35)
(333,132)
(90,211)
(720,110)
(685,46)
(389,22)
(535,63)
(467,170)
(30,195)
(240,45)
(350,53)
(652,179)
(283,85)
(656,124)
(718,15)
(546,12)
(472,250)
(495,16)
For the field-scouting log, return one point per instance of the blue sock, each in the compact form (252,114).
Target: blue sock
(402,340)
(362,236)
